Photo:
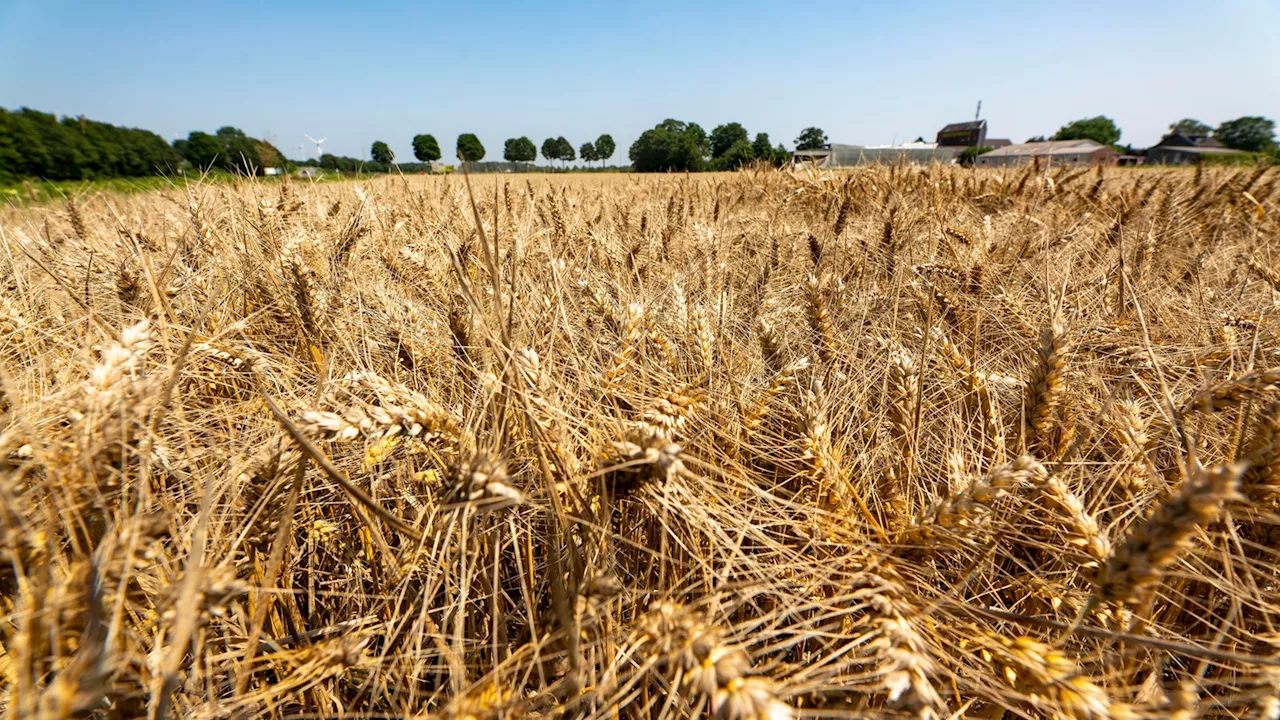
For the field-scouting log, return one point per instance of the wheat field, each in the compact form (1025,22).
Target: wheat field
(893,442)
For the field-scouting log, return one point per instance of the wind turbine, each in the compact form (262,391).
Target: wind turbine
(317,142)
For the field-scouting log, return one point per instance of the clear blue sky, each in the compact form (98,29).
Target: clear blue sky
(867,73)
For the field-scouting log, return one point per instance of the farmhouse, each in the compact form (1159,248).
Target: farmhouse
(1182,149)
(1057,152)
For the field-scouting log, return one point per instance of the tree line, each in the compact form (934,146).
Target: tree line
(228,149)
(1250,133)
(37,144)
(515,150)
(678,146)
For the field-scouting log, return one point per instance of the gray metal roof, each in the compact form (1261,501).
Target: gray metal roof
(1199,150)
(970,125)
(1053,147)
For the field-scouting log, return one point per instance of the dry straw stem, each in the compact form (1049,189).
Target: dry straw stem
(1048,677)
(1262,480)
(1271,277)
(1130,428)
(980,396)
(1231,393)
(958,513)
(712,670)
(1080,527)
(1155,543)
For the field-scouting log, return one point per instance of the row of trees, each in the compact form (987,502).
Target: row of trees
(677,146)
(229,149)
(37,144)
(1250,133)
(515,150)
(674,145)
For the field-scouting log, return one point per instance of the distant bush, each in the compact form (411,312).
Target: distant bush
(970,154)
(1235,159)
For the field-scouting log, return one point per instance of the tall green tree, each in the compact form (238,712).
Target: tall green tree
(737,155)
(239,151)
(1252,133)
(565,149)
(726,136)
(605,147)
(1100,129)
(761,147)
(425,148)
(65,162)
(381,153)
(37,144)
(469,148)
(551,149)
(203,150)
(270,155)
(27,156)
(811,138)
(528,151)
(519,150)
(669,146)
(1188,126)
(588,152)
(509,151)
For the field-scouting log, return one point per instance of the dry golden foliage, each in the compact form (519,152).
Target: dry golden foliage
(628,446)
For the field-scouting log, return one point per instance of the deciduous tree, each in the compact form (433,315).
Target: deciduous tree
(811,138)
(1252,133)
(469,148)
(1188,126)
(551,149)
(203,150)
(761,147)
(519,150)
(565,149)
(425,148)
(605,147)
(726,136)
(671,145)
(381,153)
(739,154)
(1100,129)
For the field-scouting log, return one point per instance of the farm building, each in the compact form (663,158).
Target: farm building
(963,134)
(1057,152)
(1180,149)
(853,155)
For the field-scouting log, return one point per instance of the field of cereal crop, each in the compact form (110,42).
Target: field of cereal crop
(892,442)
